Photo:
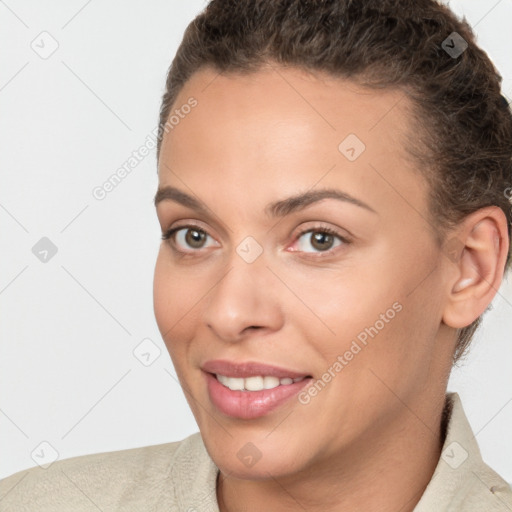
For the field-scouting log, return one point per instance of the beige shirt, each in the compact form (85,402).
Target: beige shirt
(180,476)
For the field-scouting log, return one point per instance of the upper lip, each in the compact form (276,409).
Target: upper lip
(249,369)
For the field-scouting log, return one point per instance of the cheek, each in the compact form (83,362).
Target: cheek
(161,294)
(176,303)
(166,288)
(373,318)
(169,296)
(393,341)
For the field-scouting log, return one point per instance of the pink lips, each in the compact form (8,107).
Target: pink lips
(248,369)
(249,404)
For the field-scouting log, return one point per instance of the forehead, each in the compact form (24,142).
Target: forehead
(315,92)
(296,104)
(283,129)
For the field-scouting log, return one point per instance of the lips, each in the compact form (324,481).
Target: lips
(250,405)
(246,404)
(249,369)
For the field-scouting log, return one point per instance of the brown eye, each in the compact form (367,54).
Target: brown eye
(186,237)
(322,239)
(195,238)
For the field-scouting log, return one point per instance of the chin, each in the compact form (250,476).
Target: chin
(255,460)
(261,470)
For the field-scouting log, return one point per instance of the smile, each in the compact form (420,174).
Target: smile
(256,383)
(246,398)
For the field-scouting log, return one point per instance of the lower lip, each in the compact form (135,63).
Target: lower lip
(250,404)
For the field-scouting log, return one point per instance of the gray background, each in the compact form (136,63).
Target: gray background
(68,374)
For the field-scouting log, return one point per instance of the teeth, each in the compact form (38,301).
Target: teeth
(270,382)
(256,383)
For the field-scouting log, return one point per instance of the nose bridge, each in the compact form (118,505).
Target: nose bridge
(240,299)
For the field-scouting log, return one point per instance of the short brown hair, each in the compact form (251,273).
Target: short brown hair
(465,151)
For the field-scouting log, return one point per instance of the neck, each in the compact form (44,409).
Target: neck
(387,470)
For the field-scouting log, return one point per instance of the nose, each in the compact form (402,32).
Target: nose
(245,299)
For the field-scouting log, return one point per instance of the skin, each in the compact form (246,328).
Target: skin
(372,437)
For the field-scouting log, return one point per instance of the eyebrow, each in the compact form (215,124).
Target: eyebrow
(279,208)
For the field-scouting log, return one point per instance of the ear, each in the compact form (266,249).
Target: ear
(476,258)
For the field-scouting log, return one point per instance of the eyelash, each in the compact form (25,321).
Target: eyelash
(169,235)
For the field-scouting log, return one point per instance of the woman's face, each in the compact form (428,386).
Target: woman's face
(357,309)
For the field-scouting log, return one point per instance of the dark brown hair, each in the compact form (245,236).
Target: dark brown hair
(465,127)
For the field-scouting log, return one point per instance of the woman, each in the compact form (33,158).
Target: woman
(335,221)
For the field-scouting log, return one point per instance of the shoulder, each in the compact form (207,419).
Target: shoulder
(480,486)
(484,489)
(101,481)
(462,480)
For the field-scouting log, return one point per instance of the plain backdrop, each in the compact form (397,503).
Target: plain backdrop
(69,378)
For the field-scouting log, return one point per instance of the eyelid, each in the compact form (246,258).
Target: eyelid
(314,227)
(321,228)
(343,234)
(171,232)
